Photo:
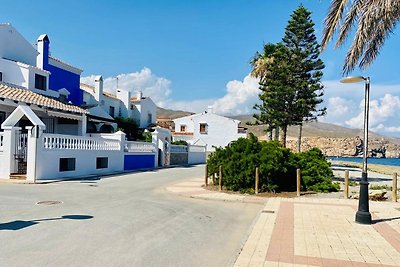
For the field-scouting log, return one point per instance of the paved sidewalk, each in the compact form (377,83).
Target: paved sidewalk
(194,189)
(313,231)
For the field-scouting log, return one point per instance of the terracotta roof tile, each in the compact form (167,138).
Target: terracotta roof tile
(16,93)
(182,133)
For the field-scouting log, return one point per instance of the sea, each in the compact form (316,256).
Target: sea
(381,161)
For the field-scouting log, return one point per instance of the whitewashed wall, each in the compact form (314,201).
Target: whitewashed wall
(145,107)
(220,130)
(197,154)
(52,147)
(14,46)
(2,158)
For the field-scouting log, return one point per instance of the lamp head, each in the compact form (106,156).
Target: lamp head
(354,79)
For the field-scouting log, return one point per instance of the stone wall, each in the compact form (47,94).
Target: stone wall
(344,147)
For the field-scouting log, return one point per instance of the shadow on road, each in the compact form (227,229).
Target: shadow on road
(18,225)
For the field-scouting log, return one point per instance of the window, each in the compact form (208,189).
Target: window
(183,128)
(67,164)
(101,163)
(112,111)
(2,118)
(149,118)
(203,128)
(1,76)
(67,121)
(40,82)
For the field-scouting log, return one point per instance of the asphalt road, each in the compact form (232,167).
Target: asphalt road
(127,220)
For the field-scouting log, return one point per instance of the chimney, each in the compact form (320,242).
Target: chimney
(43,44)
(210,110)
(125,97)
(139,95)
(98,85)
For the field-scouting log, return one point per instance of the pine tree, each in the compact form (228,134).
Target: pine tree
(290,82)
(307,66)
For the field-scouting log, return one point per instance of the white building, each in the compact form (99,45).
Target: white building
(44,117)
(208,129)
(103,106)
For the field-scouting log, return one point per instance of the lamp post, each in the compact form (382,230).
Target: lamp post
(363,215)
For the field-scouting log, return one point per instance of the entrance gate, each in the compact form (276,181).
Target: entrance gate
(20,152)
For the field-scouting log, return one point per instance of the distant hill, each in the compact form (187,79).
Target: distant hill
(314,129)
(172,114)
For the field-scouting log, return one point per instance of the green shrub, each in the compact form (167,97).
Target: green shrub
(316,172)
(180,142)
(277,166)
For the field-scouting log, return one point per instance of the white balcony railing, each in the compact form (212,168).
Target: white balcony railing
(179,149)
(133,146)
(56,141)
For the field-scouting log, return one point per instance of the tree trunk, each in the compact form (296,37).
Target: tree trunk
(284,132)
(270,135)
(299,140)
(276,137)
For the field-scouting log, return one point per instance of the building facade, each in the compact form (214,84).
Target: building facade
(208,129)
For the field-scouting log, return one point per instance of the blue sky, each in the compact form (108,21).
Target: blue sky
(191,54)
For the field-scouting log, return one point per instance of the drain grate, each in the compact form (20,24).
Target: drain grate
(268,211)
(49,202)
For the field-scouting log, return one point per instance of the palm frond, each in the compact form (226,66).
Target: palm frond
(332,21)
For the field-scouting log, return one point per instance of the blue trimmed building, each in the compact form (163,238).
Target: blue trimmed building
(62,75)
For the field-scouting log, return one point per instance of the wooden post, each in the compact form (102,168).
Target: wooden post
(298,174)
(213,178)
(257,179)
(346,184)
(220,178)
(206,176)
(394,187)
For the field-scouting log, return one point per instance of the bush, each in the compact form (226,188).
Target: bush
(277,166)
(180,143)
(316,172)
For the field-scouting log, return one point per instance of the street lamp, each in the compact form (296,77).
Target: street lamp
(363,215)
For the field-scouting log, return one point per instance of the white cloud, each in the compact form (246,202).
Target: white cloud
(338,105)
(387,129)
(381,110)
(240,97)
(158,88)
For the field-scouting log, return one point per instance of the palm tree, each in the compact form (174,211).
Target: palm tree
(373,20)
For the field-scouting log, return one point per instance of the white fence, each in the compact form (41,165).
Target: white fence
(179,149)
(197,154)
(134,147)
(57,141)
